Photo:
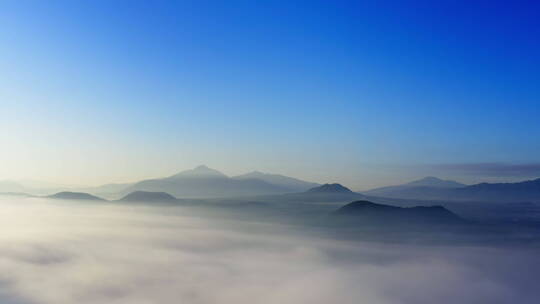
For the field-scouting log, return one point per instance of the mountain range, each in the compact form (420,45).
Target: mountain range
(204,182)
(327,193)
(199,182)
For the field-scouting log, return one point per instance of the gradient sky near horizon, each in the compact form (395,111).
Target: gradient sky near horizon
(365,93)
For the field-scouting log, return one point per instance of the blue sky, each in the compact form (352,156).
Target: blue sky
(364,93)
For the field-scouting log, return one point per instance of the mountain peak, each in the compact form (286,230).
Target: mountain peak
(201,168)
(431,179)
(148,196)
(330,188)
(200,171)
(67,195)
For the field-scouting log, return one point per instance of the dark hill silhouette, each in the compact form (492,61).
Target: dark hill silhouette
(373,213)
(203,182)
(145,196)
(330,188)
(75,196)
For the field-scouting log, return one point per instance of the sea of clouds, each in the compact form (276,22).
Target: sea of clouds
(65,252)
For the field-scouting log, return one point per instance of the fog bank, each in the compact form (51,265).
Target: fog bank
(65,252)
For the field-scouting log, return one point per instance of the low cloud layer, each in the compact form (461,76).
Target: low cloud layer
(492,169)
(60,253)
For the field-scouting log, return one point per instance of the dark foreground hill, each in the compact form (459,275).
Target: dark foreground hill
(372,213)
(75,196)
(147,196)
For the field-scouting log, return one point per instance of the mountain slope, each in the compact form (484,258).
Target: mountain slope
(327,193)
(144,196)
(330,188)
(410,189)
(521,191)
(294,184)
(199,172)
(423,188)
(496,192)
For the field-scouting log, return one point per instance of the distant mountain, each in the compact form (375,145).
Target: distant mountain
(415,188)
(33,187)
(294,184)
(145,196)
(496,192)
(75,196)
(203,182)
(521,191)
(330,188)
(200,172)
(19,194)
(10,186)
(372,213)
(431,181)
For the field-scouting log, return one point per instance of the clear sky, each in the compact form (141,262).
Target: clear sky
(364,93)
